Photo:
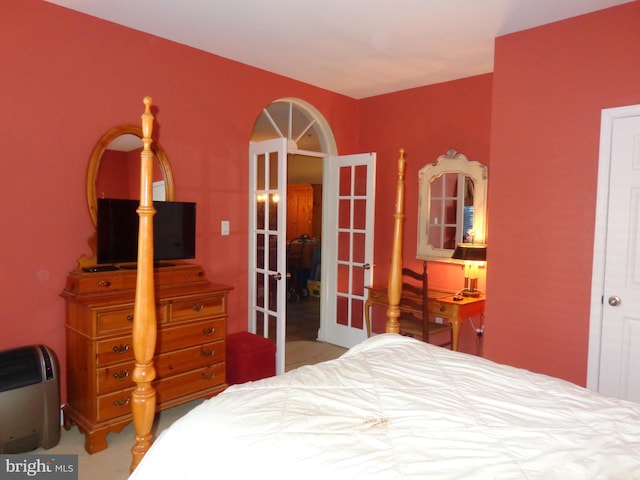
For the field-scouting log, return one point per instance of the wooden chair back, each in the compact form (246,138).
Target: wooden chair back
(415,302)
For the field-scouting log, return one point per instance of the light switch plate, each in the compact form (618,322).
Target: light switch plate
(224,227)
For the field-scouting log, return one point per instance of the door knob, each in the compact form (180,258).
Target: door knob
(276,276)
(366,266)
(614,300)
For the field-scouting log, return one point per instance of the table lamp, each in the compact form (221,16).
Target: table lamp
(473,255)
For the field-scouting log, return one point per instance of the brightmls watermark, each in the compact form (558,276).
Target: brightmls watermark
(26,466)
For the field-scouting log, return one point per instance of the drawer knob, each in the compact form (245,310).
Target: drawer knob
(208,353)
(122,403)
(104,283)
(208,375)
(209,330)
(198,308)
(121,375)
(123,347)
(130,318)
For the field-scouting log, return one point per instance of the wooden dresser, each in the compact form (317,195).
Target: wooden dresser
(304,210)
(190,350)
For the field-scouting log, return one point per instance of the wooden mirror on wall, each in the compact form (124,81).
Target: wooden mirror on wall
(452,208)
(114,167)
(114,172)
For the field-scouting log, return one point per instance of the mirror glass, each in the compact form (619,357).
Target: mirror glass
(452,205)
(114,168)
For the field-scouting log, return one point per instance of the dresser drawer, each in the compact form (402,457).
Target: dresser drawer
(197,333)
(117,404)
(114,350)
(378,296)
(441,309)
(199,307)
(120,349)
(115,377)
(180,276)
(114,405)
(191,382)
(180,361)
(115,321)
(95,283)
(119,376)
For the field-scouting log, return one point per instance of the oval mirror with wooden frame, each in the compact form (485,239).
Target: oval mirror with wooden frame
(114,167)
(114,172)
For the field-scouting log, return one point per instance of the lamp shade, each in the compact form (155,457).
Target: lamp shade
(476,252)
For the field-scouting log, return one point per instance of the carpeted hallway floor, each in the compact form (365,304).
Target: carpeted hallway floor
(303,320)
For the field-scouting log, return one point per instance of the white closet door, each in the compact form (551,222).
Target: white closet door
(614,340)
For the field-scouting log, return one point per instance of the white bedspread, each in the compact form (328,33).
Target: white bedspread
(396,408)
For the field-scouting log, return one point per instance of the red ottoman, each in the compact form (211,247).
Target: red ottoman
(249,357)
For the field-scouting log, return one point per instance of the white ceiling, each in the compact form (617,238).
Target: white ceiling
(359,48)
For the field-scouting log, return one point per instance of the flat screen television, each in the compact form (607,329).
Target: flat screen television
(174,231)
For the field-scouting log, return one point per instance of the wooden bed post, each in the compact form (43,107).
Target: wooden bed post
(394,291)
(143,398)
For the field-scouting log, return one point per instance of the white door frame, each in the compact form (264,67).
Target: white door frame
(608,118)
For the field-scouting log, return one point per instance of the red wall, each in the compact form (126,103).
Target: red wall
(66,79)
(426,122)
(550,85)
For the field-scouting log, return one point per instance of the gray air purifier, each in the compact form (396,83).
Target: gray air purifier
(29,399)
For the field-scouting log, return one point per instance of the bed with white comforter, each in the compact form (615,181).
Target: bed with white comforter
(396,408)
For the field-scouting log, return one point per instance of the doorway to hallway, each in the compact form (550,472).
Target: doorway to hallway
(286,131)
(289,146)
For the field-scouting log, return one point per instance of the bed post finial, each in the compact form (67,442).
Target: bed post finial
(147,118)
(394,290)
(143,397)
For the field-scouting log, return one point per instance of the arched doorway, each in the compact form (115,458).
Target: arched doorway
(308,140)
(292,141)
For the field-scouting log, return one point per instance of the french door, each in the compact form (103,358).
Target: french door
(347,257)
(347,245)
(267,242)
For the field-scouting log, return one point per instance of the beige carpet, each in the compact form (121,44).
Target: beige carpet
(113,463)
(302,352)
